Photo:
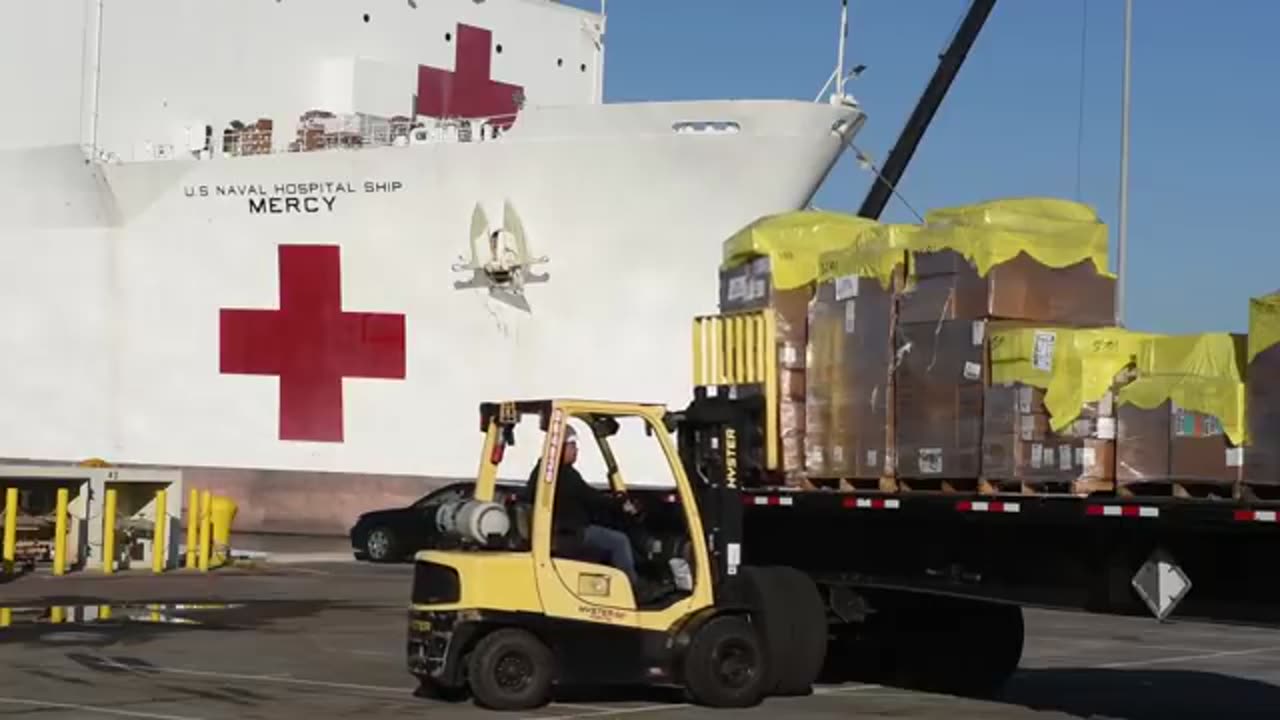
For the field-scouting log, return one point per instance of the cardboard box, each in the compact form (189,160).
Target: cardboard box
(849,389)
(750,287)
(1019,444)
(1262,458)
(947,287)
(1169,443)
(938,400)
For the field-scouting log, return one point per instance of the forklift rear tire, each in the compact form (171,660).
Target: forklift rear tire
(726,665)
(510,669)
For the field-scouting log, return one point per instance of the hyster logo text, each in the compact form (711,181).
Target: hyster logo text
(730,457)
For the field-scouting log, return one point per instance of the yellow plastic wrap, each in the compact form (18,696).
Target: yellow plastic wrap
(1201,373)
(1264,324)
(874,255)
(1074,366)
(1056,233)
(794,241)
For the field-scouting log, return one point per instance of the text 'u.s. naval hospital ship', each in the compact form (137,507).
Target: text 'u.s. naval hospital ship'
(288,245)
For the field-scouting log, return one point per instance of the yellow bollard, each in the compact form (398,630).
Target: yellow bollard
(109,533)
(193,526)
(159,548)
(6,617)
(206,505)
(222,514)
(60,532)
(57,614)
(10,528)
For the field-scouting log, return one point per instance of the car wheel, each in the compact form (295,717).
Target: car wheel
(380,545)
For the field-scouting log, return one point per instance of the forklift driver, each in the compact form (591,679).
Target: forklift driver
(576,503)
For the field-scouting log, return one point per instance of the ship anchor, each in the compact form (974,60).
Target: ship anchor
(507,266)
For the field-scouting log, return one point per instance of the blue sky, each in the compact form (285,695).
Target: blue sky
(1202,238)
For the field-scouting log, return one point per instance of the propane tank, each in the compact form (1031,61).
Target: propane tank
(473,520)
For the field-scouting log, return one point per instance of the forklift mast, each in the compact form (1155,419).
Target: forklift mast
(721,441)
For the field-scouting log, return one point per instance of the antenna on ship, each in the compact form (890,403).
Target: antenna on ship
(839,76)
(844,39)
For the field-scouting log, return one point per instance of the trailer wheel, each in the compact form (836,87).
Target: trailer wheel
(963,648)
(510,669)
(1000,643)
(726,665)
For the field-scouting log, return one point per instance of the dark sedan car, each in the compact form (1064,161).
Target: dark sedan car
(397,533)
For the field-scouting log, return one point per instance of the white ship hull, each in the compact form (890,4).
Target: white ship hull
(114,279)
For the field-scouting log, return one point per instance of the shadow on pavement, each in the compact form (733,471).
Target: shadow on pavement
(1143,694)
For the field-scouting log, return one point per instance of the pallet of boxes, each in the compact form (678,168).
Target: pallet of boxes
(976,353)
(1181,418)
(926,309)
(772,265)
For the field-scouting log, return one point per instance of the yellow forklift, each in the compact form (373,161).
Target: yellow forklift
(512,606)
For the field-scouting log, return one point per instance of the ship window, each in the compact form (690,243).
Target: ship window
(583,67)
(448,37)
(366,17)
(559,62)
(499,48)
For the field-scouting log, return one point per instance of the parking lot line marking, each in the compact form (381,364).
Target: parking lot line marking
(841,690)
(579,706)
(93,709)
(143,669)
(602,712)
(613,711)
(1185,658)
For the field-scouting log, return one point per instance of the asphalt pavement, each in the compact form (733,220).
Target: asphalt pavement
(321,640)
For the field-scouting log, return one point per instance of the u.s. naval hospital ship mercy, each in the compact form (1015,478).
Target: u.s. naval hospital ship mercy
(288,245)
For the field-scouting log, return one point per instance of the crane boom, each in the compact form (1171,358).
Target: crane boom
(948,66)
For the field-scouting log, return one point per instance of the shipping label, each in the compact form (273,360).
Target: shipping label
(1042,350)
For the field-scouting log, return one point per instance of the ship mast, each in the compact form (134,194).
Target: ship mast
(91,77)
(844,38)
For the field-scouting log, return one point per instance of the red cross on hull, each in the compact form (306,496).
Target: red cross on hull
(311,344)
(469,91)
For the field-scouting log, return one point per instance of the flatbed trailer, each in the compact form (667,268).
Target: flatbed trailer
(1098,551)
(1203,559)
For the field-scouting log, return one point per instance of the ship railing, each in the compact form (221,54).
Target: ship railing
(353,132)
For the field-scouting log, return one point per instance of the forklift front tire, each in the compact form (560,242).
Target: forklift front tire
(510,669)
(726,664)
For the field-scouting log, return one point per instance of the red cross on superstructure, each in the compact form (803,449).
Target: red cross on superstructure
(311,344)
(469,91)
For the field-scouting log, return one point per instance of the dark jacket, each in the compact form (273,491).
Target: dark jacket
(576,505)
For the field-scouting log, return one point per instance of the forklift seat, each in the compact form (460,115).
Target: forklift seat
(571,547)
